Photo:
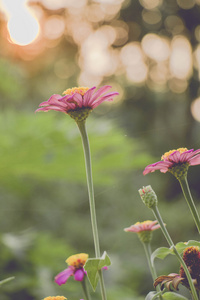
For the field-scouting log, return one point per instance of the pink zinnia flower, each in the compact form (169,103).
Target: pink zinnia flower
(76,263)
(143,226)
(175,158)
(78,99)
(144,230)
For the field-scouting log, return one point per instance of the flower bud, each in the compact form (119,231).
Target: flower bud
(148,196)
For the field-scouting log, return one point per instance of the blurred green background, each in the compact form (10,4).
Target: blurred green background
(149,51)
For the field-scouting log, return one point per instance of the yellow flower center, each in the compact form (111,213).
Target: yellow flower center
(55,298)
(79,90)
(167,154)
(145,222)
(77,260)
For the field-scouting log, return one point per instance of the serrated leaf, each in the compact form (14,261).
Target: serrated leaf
(161,253)
(93,266)
(180,247)
(173,296)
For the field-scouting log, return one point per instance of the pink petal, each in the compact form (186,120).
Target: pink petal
(163,166)
(133,228)
(100,91)
(186,155)
(78,99)
(108,97)
(47,108)
(52,98)
(193,154)
(88,96)
(62,277)
(174,157)
(79,275)
(194,160)
(155,227)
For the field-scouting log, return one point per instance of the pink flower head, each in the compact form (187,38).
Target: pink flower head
(78,99)
(175,158)
(143,226)
(76,263)
(144,230)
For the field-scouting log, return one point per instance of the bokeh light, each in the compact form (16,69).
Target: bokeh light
(22,25)
(181,57)
(156,47)
(195,109)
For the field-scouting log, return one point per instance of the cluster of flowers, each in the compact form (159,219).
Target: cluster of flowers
(78,103)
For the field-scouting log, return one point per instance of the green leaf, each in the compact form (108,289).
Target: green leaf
(180,247)
(161,253)
(173,296)
(93,265)
(152,296)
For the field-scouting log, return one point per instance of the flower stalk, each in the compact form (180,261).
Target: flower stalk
(85,289)
(88,165)
(188,197)
(171,244)
(148,252)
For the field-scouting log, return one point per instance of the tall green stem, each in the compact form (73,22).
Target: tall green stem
(85,290)
(189,200)
(171,244)
(147,249)
(88,165)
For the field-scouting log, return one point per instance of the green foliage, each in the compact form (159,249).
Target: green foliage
(152,296)
(173,296)
(93,266)
(182,246)
(161,253)
(44,147)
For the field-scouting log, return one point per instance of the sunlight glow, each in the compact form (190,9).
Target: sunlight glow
(195,109)
(181,57)
(156,47)
(22,25)
(133,59)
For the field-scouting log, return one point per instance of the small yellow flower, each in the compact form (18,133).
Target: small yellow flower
(77,260)
(167,154)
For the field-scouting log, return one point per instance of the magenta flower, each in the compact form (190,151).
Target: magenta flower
(78,99)
(175,158)
(76,263)
(143,226)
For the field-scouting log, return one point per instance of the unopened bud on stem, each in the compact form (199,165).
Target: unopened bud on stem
(148,196)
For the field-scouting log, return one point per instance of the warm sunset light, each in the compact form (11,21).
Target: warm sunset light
(22,25)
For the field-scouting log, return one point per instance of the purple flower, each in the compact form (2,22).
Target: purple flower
(78,100)
(175,158)
(76,263)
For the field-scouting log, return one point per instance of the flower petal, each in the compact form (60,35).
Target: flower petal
(100,91)
(78,99)
(51,99)
(79,275)
(62,277)
(174,157)
(186,155)
(51,107)
(108,97)
(194,160)
(163,166)
(88,96)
